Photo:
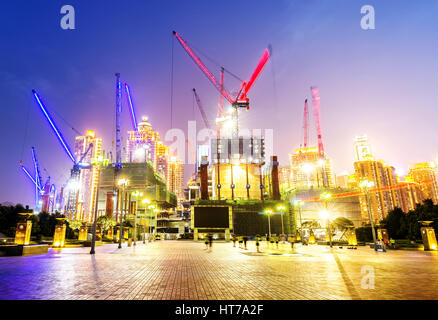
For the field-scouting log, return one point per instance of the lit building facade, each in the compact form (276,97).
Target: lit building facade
(424,175)
(141,145)
(237,168)
(175,180)
(84,194)
(362,148)
(309,170)
(381,202)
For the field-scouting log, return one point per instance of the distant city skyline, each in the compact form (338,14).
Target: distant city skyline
(374,82)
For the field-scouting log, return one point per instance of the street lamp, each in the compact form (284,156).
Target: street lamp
(269,212)
(123,183)
(365,184)
(281,209)
(136,194)
(151,207)
(156,222)
(299,203)
(97,164)
(145,202)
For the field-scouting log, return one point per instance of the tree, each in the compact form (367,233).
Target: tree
(396,224)
(106,222)
(75,224)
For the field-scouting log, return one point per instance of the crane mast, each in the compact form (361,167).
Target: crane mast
(316,101)
(201,109)
(306,124)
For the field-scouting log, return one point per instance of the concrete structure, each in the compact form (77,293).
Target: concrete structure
(236,165)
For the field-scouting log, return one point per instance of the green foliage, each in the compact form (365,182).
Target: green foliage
(74,224)
(9,217)
(402,225)
(106,222)
(364,234)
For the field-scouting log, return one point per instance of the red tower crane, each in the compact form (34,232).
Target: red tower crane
(316,101)
(241,100)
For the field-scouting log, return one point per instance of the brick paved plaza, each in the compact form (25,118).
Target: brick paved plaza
(185,270)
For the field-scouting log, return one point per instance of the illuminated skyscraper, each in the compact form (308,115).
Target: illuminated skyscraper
(175,180)
(424,175)
(309,170)
(381,202)
(86,194)
(362,148)
(141,144)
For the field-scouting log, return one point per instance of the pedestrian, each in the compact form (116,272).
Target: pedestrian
(210,240)
(234,240)
(277,238)
(257,242)
(206,241)
(245,239)
(292,242)
(267,241)
(240,239)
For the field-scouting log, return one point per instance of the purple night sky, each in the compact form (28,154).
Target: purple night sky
(377,82)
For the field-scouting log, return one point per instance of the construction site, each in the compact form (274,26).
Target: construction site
(140,182)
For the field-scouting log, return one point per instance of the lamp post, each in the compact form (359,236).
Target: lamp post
(325,214)
(156,222)
(136,195)
(269,212)
(299,203)
(123,183)
(145,202)
(151,207)
(281,209)
(97,165)
(365,184)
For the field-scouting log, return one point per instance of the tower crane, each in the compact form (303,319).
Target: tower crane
(306,124)
(201,109)
(241,100)
(316,101)
(46,191)
(77,164)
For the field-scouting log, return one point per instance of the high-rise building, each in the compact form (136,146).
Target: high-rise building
(381,201)
(175,180)
(84,194)
(362,148)
(424,175)
(141,144)
(161,163)
(309,170)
